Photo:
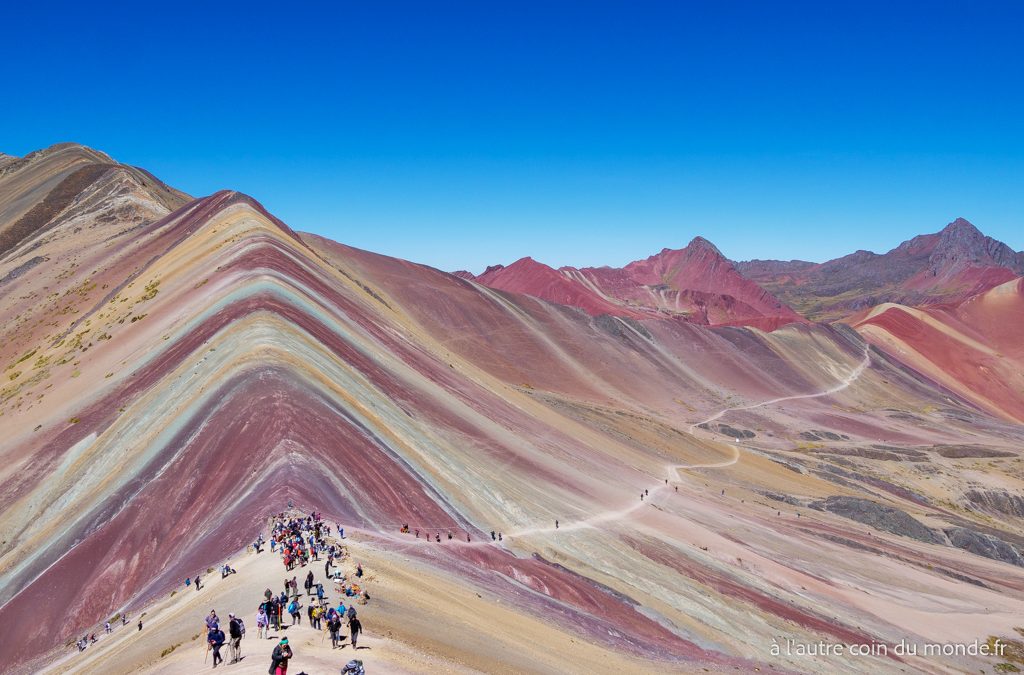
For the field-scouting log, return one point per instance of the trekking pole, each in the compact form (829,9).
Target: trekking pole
(207,653)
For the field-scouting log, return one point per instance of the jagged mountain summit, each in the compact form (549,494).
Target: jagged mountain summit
(947,266)
(176,370)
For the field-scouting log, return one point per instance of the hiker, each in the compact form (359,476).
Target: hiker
(262,621)
(308,584)
(647,492)
(236,629)
(334,626)
(279,659)
(467,537)
(677,488)
(351,613)
(309,614)
(499,536)
(212,621)
(417,533)
(493,538)
(359,569)
(124,620)
(641,496)
(106,627)
(188,581)
(293,609)
(556,524)
(196,582)
(438,535)
(449,535)
(140,624)
(320,593)
(215,638)
(354,628)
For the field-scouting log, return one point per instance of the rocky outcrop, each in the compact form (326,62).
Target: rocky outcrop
(880,517)
(985,545)
(996,501)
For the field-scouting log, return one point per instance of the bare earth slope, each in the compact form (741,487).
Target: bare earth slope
(171,382)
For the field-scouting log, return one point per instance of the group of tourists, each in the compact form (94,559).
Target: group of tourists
(300,540)
(90,638)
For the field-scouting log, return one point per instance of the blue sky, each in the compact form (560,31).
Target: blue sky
(461,134)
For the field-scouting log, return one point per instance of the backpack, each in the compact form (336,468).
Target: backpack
(353,667)
(241,626)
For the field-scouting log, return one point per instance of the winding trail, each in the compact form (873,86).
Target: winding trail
(672,471)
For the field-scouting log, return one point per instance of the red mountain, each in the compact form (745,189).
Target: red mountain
(947,266)
(697,283)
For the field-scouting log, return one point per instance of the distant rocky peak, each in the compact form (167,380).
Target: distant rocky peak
(493,268)
(702,244)
(961,245)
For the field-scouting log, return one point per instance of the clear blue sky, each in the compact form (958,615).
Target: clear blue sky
(465,133)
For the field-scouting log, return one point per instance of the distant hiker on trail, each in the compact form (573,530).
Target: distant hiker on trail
(641,496)
(188,581)
(215,638)
(467,537)
(334,626)
(556,524)
(106,627)
(499,536)
(124,620)
(308,584)
(647,492)
(354,629)
(279,659)
(196,582)
(359,569)
(320,593)
(140,624)
(493,537)
(293,609)
(236,629)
